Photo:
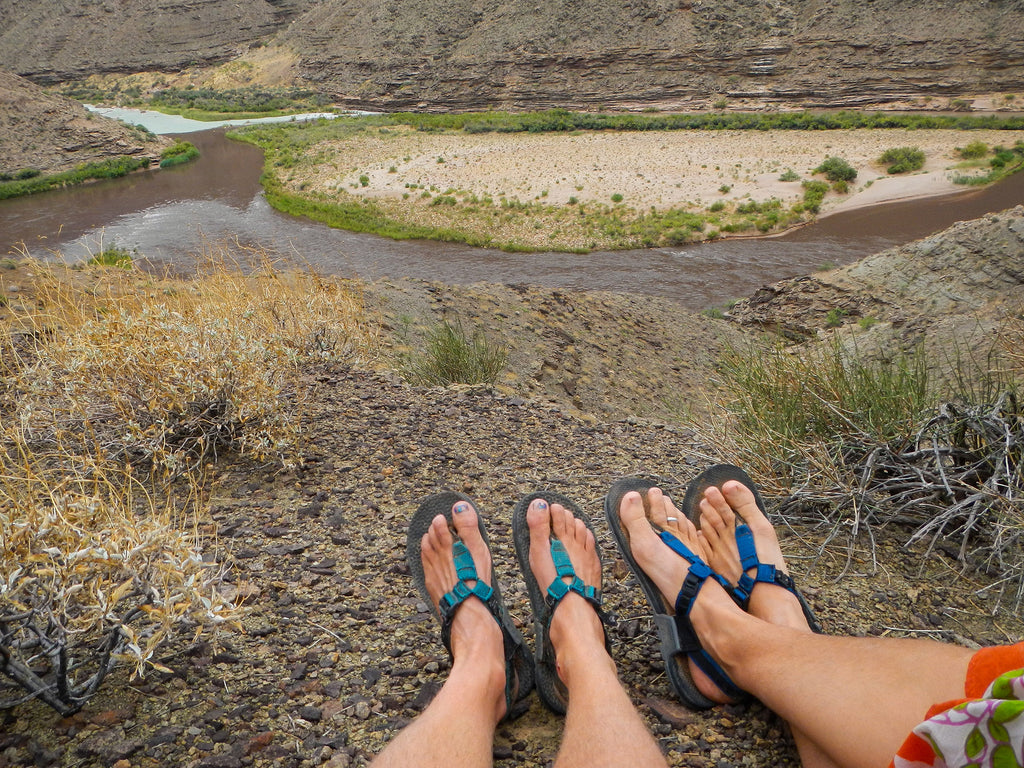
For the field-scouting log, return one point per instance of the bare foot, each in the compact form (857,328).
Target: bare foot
(668,570)
(576,632)
(718,520)
(476,639)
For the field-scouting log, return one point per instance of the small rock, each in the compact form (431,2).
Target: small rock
(362,710)
(669,712)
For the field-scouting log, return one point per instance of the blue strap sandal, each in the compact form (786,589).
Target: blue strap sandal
(519,677)
(549,687)
(679,643)
(763,573)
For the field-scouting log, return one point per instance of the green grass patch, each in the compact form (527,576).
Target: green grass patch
(783,399)
(105,169)
(453,356)
(360,216)
(113,257)
(178,154)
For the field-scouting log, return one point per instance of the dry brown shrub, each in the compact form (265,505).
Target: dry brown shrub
(171,372)
(111,388)
(96,571)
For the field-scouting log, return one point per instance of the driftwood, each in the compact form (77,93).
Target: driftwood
(959,480)
(47,662)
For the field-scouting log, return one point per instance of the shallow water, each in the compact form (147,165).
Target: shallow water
(173,214)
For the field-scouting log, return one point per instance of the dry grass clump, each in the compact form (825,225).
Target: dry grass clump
(95,572)
(116,389)
(173,372)
(852,443)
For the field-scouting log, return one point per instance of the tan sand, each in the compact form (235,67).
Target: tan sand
(677,169)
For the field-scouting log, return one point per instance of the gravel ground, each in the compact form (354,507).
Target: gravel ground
(338,651)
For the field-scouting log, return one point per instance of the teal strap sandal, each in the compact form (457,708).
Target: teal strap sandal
(549,686)
(519,677)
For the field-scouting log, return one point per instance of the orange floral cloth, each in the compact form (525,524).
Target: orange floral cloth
(983,730)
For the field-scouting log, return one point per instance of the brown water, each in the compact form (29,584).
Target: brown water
(169,215)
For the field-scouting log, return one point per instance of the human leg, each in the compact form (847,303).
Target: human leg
(855,698)
(457,728)
(602,728)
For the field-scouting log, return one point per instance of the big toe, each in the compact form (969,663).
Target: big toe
(538,518)
(466,521)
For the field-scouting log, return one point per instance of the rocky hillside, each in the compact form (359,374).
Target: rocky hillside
(670,53)
(521,54)
(954,292)
(50,133)
(56,40)
(339,653)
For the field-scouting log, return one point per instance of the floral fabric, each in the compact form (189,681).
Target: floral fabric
(985,732)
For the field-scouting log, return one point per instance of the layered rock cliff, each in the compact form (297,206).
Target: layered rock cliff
(471,54)
(54,40)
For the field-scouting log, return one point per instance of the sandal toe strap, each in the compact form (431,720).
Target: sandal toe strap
(465,569)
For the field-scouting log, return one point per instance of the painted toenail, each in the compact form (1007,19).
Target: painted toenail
(541,504)
(462,507)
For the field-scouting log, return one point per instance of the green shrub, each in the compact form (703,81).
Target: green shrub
(178,154)
(725,189)
(27,173)
(834,318)
(790,175)
(973,151)
(814,193)
(453,357)
(902,159)
(616,198)
(364,181)
(113,257)
(1003,156)
(837,169)
(867,321)
(717,206)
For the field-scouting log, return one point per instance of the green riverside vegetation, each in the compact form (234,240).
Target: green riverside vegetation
(205,103)
(591,225)
(28,183)
(178,154)
(563,120)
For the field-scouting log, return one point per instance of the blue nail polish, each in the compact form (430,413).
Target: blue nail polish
(541,504)
(462,507)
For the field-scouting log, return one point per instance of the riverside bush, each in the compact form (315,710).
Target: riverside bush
(902,159)
(814,193)
(973,151)
(837,169)
(177,154)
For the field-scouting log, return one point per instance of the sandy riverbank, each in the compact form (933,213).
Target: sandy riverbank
(586,190)
(681,169)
